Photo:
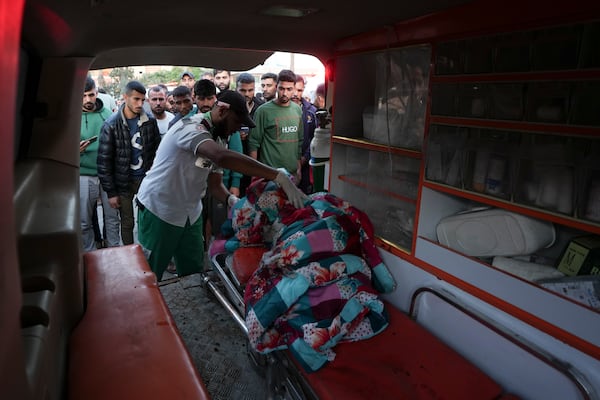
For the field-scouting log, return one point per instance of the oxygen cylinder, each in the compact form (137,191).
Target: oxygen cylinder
(319,153)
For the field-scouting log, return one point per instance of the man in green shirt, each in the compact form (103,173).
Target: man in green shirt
(93,116)
(277,138)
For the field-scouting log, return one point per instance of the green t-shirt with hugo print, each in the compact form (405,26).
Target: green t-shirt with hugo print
(278,135)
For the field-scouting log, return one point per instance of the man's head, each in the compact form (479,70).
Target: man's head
(170,102)
(135,95)
(230,113)
(182,100)
(209,76)
(299,86)
(187,79)
(205,95)
(157,97)
(286,86)
(245,86)
(320,97)
(268,84)
(222,79)
(89,95)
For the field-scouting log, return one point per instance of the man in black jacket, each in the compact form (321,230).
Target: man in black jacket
(128,143)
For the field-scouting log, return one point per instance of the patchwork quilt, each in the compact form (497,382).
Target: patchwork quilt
(318,284)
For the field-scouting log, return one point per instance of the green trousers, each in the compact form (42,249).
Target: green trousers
(162,241)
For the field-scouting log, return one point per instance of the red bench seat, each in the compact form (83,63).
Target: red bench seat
(405,361)
(127,345)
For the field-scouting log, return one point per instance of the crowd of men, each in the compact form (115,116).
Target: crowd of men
(185,156)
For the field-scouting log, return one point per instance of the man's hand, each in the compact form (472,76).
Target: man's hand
(232,199)
(83,144)
(114,202)
(294,195)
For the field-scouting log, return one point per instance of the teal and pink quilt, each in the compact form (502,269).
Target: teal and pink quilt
(318,284)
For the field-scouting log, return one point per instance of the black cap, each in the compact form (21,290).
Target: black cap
(188,73)
(236,103)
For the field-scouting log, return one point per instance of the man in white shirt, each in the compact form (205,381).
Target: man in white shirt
(189,161)
(157,97)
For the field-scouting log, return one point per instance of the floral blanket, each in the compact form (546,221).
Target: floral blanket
(318,284)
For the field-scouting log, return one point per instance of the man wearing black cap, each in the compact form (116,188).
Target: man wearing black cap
(187,79)
(188,162)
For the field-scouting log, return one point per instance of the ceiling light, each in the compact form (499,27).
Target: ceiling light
(288,11)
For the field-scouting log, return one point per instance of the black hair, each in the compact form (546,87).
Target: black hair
(286,75)
(244,78)
(159,88)
(300,78)
(89,84)
(268,75)
(134,85)
(180,91)
(216,71)
(205,88)
(321,89)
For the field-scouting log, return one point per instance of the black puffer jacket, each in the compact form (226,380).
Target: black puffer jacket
(114,151)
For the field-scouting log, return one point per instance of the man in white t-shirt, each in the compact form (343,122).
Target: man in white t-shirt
(188,162)
(157,97)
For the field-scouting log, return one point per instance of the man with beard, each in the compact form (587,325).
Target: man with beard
(309,121)
(206,97)
(128,143)
(93,116)
(268,85)
(245,86)
(222,79)
(279,130)
(214,212)
(183,102)
(157,97)
(188,162)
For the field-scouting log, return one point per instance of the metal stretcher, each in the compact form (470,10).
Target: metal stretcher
(405,361)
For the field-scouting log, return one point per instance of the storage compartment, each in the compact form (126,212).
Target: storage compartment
(478,58)
(556,48)
(490,162)
(548,102)
(590,56)
(392,219)
(393,174)
(445,156)
(473,100)
(546,173)
(444,99)
(507,101)
(401,87)
(513,52)
(449,58)
(584,107)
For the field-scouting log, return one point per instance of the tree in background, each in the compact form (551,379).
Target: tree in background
(171,77)
(120,75)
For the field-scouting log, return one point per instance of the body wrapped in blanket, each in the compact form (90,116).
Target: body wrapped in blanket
(318,283)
